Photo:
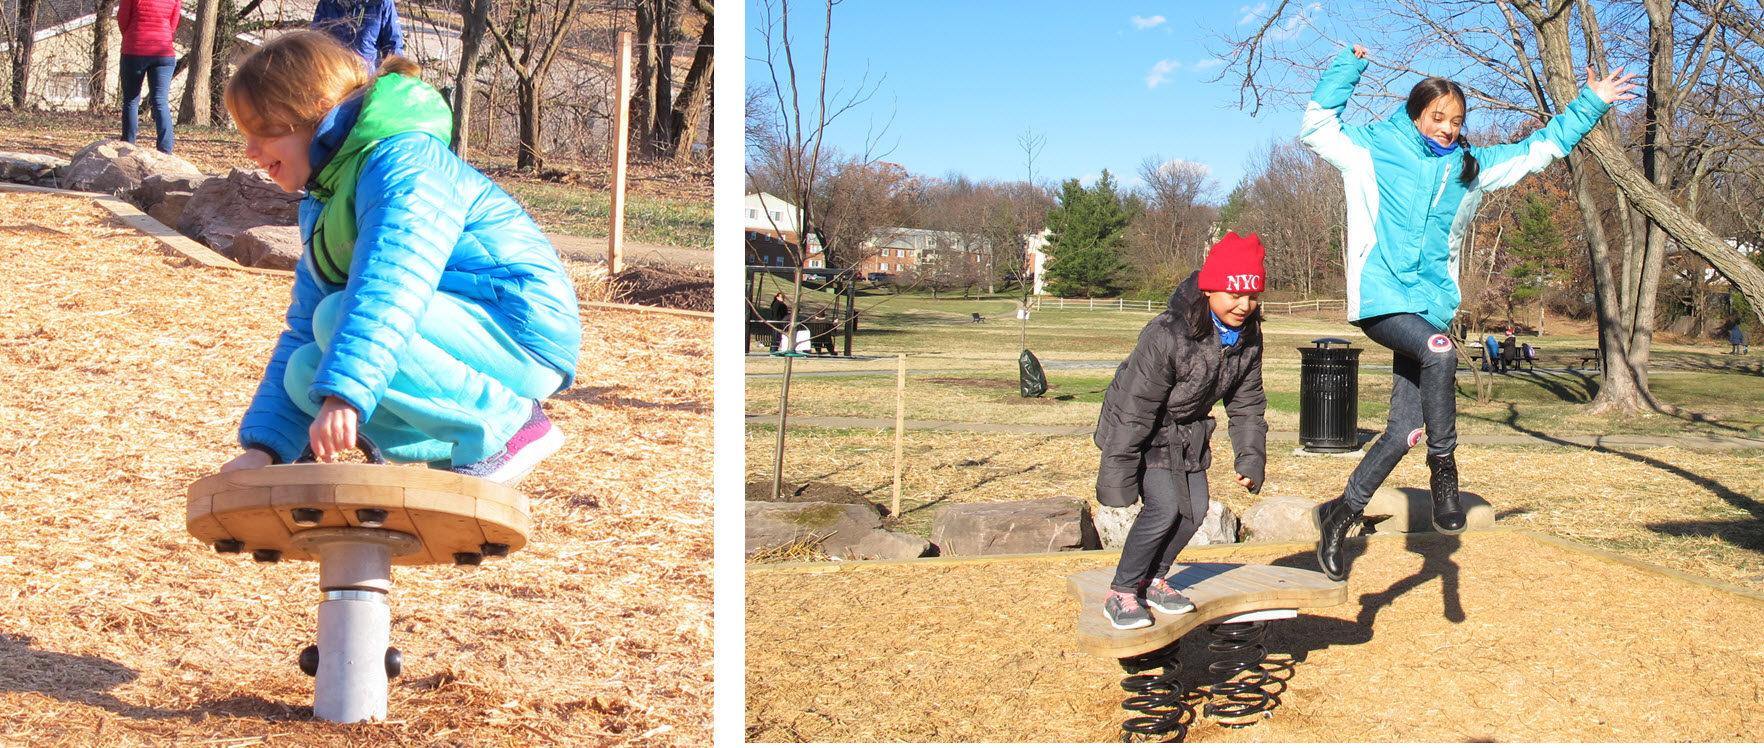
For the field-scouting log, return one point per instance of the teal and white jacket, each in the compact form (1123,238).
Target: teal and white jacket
(1407,212)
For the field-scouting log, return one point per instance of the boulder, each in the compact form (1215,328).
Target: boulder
(846,531)
(1411,510)
(1038,526)
(156,188)
(1280,519)
(169,208)
(31,168)
(275,247)
(117,168)
(222,209)
(1112,523)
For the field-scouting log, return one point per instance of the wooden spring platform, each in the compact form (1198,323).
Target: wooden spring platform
(262,509)
(1217,590)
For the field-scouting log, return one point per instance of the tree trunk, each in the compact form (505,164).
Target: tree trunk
(473,14)
(102,24)
(689,105)
(527,91)
(194,109)
(24,43)
(651,100)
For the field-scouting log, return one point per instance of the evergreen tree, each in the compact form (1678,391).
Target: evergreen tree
(1089,230)
(1536,248)
(1235,203)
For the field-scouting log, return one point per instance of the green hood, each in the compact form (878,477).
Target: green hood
(393,105)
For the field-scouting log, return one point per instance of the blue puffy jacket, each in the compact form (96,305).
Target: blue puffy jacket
(426,221)
(1406,208)
(369,28)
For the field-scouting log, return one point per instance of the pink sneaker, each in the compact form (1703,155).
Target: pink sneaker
(536,440)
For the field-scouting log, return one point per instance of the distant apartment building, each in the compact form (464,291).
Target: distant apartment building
(773,238)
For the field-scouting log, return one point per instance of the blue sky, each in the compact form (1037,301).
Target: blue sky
(1107,86)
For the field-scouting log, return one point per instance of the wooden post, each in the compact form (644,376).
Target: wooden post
(201,63)
(899,426)
(615,234)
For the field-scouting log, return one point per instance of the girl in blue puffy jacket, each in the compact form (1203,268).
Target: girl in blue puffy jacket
(1413,184)
(430,314)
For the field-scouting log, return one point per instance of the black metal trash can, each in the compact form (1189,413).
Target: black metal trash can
(1329,396)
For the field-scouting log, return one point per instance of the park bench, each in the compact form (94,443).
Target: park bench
(821,336)
(1236,603)
(977,318)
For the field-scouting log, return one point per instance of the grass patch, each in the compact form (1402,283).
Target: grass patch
(564,209)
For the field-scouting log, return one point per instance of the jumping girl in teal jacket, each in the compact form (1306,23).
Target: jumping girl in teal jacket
(429,313)
(1413,185)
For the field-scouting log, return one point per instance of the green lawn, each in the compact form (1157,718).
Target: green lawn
(574,210)
(961,371)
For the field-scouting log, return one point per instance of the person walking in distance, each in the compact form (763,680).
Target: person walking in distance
(148,27)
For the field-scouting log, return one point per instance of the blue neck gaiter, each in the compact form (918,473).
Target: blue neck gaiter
(1227,334)
(1439,150)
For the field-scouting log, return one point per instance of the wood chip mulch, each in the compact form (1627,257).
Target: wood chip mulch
(123,374)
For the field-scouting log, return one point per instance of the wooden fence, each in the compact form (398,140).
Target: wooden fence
(1049,303)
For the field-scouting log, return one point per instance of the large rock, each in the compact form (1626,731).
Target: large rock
(157,188)
(275,247)
(117,168)
(169,208)
(222,209)
(846,531)
(1280,519)
(1112,524)
(1411,510)
(1038,526)
(31,168)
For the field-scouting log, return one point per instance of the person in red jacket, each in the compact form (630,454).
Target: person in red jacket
(148,27)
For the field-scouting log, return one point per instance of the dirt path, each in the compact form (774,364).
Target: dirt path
(1487,637)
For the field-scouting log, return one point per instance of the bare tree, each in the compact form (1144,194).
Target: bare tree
(475,19)
(1169,239)
(24,40)
(529,36)
(798,155)
(103,22)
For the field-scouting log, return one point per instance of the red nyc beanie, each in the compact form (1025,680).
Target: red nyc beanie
(1234,265)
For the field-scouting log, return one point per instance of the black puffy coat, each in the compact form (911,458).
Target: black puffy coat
(1158,406)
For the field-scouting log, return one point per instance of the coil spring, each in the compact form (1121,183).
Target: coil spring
(1161,698)
(1249,685)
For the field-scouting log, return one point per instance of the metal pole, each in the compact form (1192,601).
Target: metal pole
(615,234)
(354,619)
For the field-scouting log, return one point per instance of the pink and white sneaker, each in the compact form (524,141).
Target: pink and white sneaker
(536,440)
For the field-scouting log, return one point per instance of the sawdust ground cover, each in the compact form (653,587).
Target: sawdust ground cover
(1485,637)
(1697,511)
(123,374)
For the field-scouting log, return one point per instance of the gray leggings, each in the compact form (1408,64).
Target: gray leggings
(1168,520)
(1423,399)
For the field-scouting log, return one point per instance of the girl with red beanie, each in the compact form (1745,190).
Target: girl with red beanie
(148,27)
(1154,429)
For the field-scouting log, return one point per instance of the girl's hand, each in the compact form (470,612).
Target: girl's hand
(1359,52)
(253,458)
(1614,88)
(1246,482)
(333,431)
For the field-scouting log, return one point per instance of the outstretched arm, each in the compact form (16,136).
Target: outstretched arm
(1322,129)
(1504,165)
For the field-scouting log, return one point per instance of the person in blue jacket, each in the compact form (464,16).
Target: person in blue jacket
(430,314)
(370,27)
(1413,185)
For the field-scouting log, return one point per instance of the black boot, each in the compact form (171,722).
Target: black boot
(1448,511)
(1334,522)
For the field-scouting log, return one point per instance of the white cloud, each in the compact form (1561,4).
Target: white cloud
(1146,23)
(1252,14)
(1179,165)
(1207,64)
(1160,72)
(1290,28)
(1088,180)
